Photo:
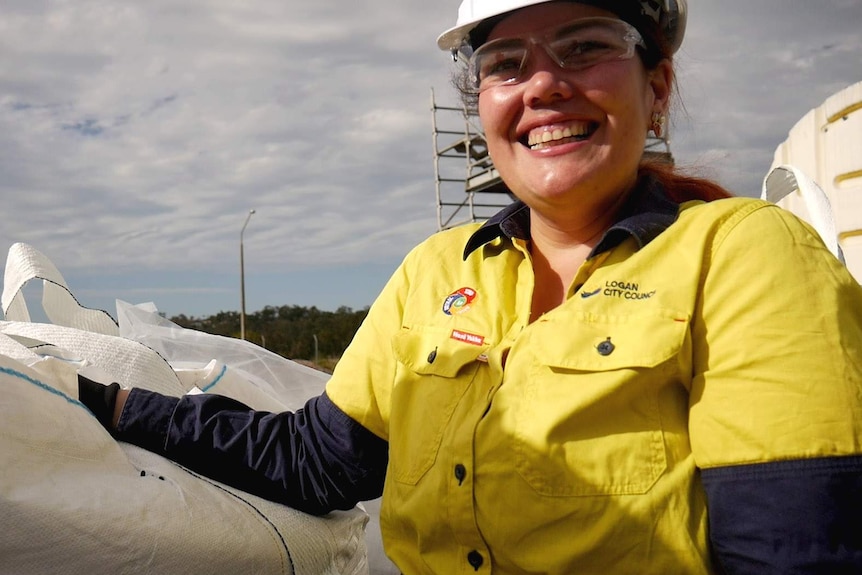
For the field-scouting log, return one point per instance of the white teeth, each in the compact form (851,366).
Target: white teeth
(537,140)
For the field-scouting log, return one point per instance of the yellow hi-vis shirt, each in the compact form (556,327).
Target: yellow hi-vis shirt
(573,443)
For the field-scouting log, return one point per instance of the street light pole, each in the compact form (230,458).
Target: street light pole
(242,278)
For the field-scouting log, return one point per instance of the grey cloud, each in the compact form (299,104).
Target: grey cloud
(136,135)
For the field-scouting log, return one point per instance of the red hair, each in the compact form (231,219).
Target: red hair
(680,187)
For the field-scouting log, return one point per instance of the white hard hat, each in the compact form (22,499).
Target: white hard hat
(669,14)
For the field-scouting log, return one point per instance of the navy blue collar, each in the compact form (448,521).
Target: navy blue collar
(647,213)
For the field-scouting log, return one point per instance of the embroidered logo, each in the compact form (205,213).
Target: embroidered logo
(466,337)
(459,302)
(620,290)
(589,294)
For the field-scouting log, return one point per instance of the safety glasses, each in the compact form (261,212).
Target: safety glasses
(575,45)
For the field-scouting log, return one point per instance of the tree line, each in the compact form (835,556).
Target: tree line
(294,332)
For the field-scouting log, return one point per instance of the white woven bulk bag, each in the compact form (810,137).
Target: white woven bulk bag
(75,501)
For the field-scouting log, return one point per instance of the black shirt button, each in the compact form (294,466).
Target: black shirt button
(474,558)
(432,356)
(460,473)
(606,347)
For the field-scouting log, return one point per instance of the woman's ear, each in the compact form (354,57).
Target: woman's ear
(661,83)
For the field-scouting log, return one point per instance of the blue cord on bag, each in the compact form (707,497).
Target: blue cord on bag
(41,385)
(216,380)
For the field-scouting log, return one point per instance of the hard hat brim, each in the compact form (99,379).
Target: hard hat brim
(454,38)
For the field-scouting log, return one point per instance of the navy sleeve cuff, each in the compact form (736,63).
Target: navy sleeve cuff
(787,517)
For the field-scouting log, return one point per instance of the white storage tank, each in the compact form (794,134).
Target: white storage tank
(827,145)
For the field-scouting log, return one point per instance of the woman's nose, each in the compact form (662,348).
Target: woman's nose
(545,80)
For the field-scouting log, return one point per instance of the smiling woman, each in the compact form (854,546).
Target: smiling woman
(603,377)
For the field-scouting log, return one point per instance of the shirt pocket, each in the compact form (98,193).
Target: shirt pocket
(434,371)
(589,422)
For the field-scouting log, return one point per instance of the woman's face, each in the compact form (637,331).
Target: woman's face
(608,108)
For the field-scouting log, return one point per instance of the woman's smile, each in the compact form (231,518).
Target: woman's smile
(557,134)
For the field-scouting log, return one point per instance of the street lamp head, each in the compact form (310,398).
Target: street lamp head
(251,211)
(247,218)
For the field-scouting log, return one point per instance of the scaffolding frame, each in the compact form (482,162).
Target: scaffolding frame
(467,185)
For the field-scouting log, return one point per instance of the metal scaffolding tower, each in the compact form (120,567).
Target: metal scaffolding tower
(468,187)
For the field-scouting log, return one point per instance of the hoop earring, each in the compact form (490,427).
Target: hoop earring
(658,121)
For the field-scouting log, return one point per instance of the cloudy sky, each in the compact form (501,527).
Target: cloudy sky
(135,136)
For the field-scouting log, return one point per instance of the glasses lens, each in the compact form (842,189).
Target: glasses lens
(580,45)
(497,62)
(574,46)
